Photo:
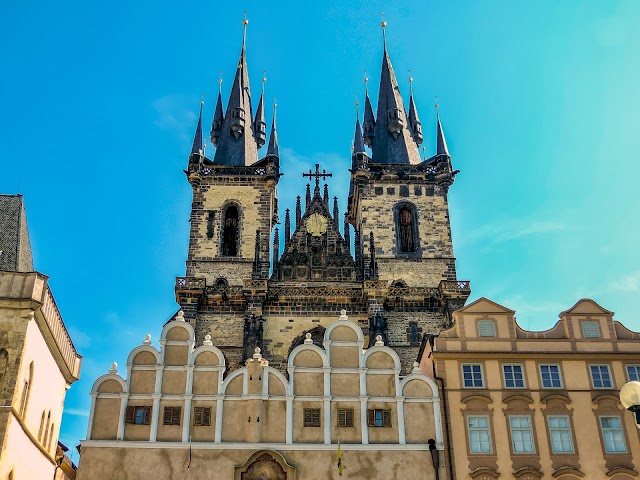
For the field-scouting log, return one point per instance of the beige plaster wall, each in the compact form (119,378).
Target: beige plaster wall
(106,416)
(133,464)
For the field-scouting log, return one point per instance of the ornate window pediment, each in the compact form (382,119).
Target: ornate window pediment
(265,465)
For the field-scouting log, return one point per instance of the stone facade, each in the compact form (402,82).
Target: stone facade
(560,385)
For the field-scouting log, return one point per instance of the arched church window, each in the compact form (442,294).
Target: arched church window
(26,390)
(230,231)
(407,230)
(4,364)
(221,282)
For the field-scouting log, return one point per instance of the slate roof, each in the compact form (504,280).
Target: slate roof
(14,235)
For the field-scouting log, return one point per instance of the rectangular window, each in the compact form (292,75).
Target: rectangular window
(633,373)
(472,376)
(378,418)
(171,416)
(550,376)
(345,417)
(560,433)
(590,329)
(513,376)
(138,415)
(479,434)
(612,435)
(202,416)
(521,434)
(600,376)
(311,417)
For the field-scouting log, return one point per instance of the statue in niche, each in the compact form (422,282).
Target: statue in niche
(378,326)
(406,230)
(253,335)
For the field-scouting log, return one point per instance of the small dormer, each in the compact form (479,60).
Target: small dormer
(589,321)
(237,122)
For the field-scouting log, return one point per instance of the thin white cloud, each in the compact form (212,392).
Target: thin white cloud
(627,283)
(173,113)
(505,231)
(78,412)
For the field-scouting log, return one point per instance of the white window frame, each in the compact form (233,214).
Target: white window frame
(593,380)
(560,431)
(482,381)
(610,430)
(487,322)
(542,385)
(636,367)
(504,376)
(521,430)
(587,333)
(479,431)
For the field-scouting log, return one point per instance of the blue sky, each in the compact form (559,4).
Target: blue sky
(539,102)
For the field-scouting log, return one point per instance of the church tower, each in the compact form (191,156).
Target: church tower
(233,213)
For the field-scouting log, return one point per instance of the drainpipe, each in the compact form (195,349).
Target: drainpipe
(443,396)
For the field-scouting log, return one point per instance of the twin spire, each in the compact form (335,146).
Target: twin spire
(394,134)
(237,134)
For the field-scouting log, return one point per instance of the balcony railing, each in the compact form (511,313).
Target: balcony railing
(190,282)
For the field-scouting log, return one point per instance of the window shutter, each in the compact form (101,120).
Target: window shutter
(349,417)
(342,417)
(131,415)
(371,418)
(206,416)
(386,418)
(316,418)
(307,417)
(166,418)
(197,416)
(147,415)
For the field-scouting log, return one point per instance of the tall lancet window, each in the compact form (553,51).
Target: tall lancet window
(407,236)
(230,231)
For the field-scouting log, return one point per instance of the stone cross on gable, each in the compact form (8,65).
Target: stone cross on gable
(317,175)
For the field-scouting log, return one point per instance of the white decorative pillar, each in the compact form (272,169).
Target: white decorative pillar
(155,415)
(401,431)
(123,415)
(327,420)
(91,412)
(219,410)
(364,425)
(289,420)
(186,419)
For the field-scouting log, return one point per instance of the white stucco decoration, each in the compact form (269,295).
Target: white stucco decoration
(307,339)
(147,339)
(180,316)
(207,340)
(114,368)
(379,342)
(343,315)
(416,368)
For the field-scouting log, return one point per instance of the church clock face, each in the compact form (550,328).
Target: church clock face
(317,225)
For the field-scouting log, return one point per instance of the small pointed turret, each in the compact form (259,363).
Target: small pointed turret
(358,145)
(335,212)
(325,195)
(273,138)
(392,141)
(308,197)
(369,120)
(287,226)
(441,142)
(256,259)
(414,121)
(298,211)
(198,147)
(276,248)
(259,125)
(218,118)
(237,142)
(347,235)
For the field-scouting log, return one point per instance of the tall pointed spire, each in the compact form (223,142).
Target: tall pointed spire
(298,211)
(259,125)
(237,142)
(287,226)
(414,120)
(272,150)
(198,148)
(369,120)
(218,117)
(441,142)
(392,141)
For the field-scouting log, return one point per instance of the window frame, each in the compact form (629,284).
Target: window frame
(311,417)
(542,385)
(200,418)
(568,429)
(593,380)
(504,376)
(487,321)
(635,366)
(415,221)
(132,414)
(595,323)
(486,429)
(385,417)
(345,417)
(519,429)
(482,379)
(620,429)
